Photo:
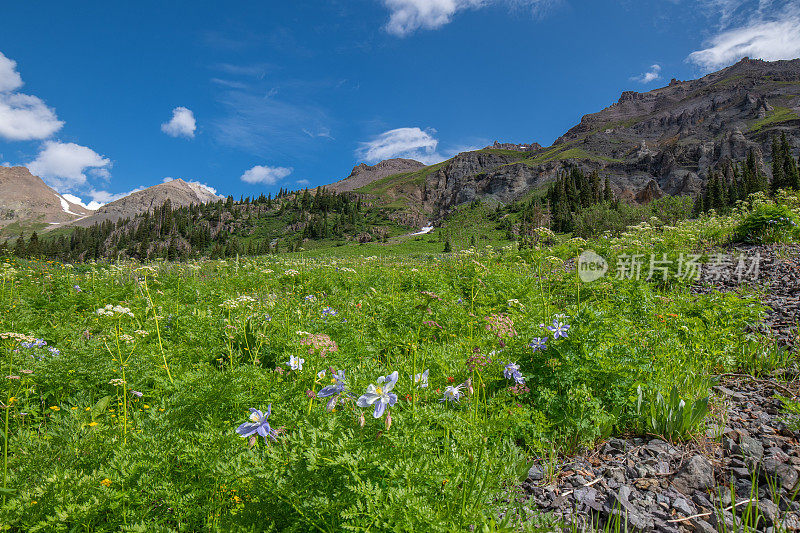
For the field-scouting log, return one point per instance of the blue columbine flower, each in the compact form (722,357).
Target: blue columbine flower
(452,393)
(380,394)
(258,424)
(538,343)
(329,311)
(559,329)
(295,362)
(334,391)
(336,388)
(510,369)
(421,380)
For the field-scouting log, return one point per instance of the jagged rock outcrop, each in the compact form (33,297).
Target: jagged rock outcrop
(525,147)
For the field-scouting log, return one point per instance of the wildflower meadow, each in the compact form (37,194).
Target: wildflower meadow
(334,392)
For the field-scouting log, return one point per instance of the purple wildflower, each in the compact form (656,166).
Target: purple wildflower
(258,424)
(380,394)
(538,343)
(558,329)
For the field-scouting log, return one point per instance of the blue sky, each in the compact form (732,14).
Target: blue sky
(248,97)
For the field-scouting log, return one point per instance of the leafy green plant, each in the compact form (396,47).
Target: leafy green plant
(768,223)
(671,416)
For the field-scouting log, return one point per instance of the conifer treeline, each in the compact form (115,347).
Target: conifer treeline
(735,182)
(572,191)
(220,229)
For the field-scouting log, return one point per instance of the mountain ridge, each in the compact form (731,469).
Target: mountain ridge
(25,198)
(178,192)
(648,144)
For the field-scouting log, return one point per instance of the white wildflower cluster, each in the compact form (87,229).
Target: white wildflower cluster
(291,272)
(141,333)
(114,311)
(127,339)
(7,271)
(347,269)
(117,382)
(242,301)
(17,337)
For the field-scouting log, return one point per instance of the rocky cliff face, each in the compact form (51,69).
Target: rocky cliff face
(648,144)
(25,198)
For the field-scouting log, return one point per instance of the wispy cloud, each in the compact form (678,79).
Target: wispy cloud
(266,126)
(769,35)
(322,132)
(411,143)
(408,16)
(652,74)
(229,83)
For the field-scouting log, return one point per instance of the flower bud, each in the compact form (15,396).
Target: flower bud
(361,420)
(388,420)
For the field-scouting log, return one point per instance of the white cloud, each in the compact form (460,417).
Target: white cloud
(182,123)
(408,16)
(98,198)
(10,80)
(265,175)
(303,182)
(651,75)
(412,143)
(64,165)
(101,198)
(773,39)
(22,117)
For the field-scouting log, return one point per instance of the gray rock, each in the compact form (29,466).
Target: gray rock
(750,447)
(535,473)
(769,511)
(696,474)
(701,526)
(683,507)
(630,516)
(784,474)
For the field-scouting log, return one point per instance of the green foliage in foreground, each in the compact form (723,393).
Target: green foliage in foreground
(208,340)
(768,223)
